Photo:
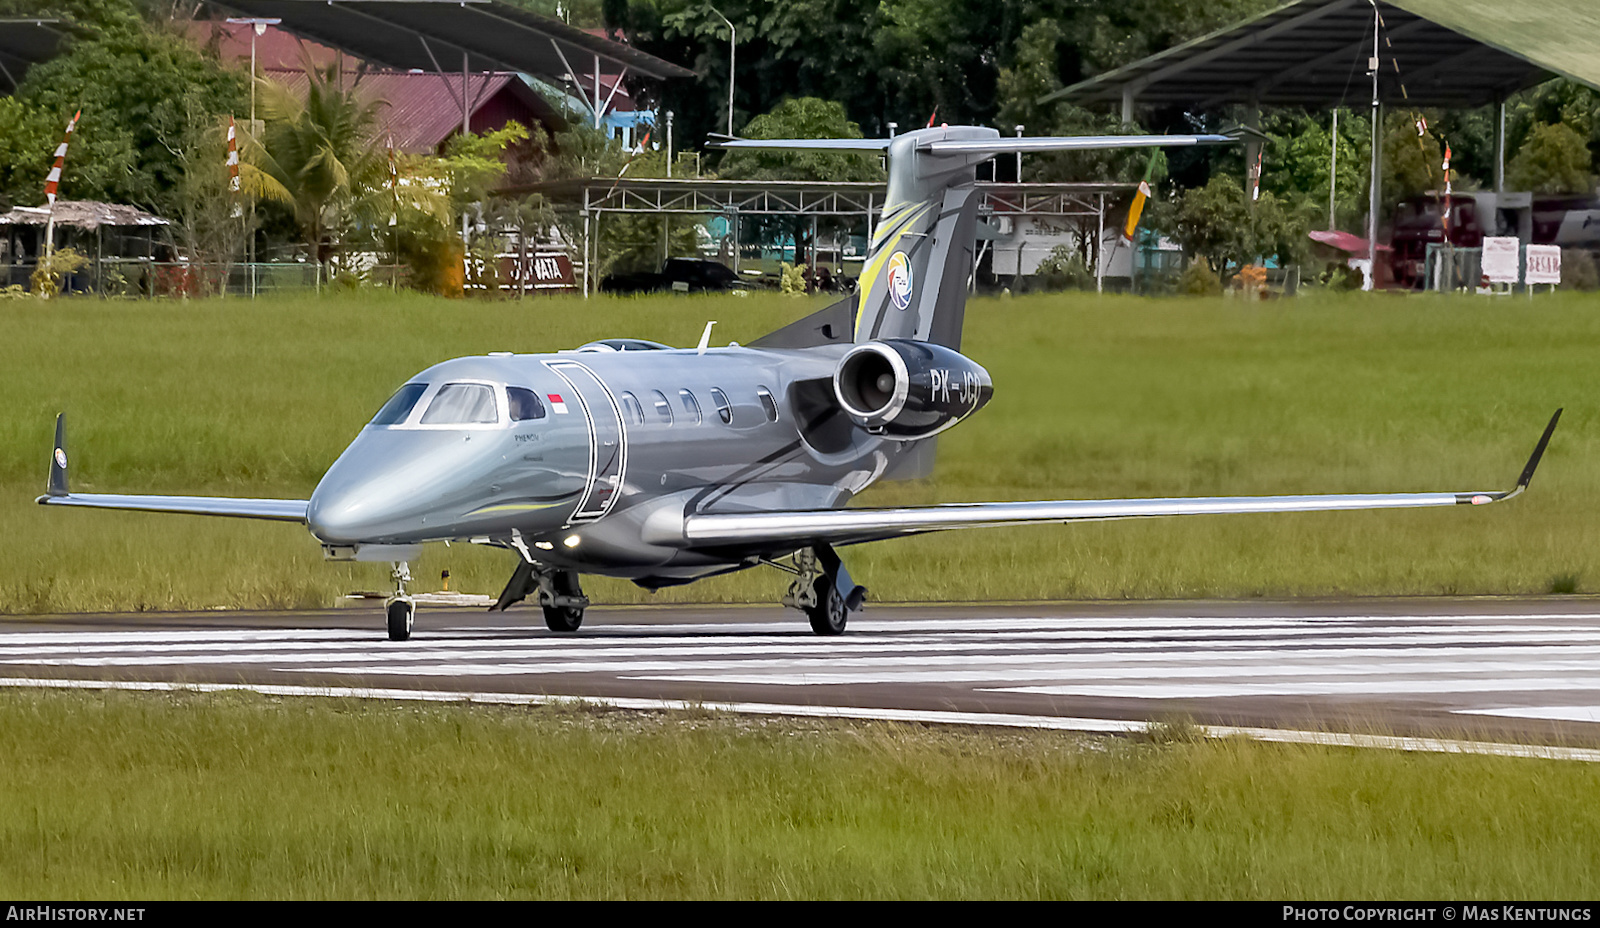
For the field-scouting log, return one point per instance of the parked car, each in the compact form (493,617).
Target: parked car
(681,275)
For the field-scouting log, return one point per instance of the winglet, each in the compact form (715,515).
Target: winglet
(58,460)
(1538,452)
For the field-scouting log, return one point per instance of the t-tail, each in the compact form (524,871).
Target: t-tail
(915,280)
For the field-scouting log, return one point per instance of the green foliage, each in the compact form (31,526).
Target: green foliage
(1199,280)
(1296,163)
(1065,269)
(27,147)
(791,279)
(1578,270)
(1218,222)
(232,795)
(137,87)
(323,153)
(50,274)
(802,118)
(1554,160)
(1171,397)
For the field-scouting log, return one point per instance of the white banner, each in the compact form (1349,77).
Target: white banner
(1544,264)
(1502,260)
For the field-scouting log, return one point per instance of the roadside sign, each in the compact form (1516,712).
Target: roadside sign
(1502,260)
(1544,264)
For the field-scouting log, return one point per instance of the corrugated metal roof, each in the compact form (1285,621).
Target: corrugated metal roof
(436,35)
(1314,53)
(425,109)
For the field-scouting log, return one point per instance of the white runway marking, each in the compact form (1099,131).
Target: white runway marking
(1538,666)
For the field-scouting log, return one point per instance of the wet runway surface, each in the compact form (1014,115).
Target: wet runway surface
(1494,669)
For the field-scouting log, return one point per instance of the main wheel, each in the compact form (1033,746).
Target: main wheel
(829,615)
(401,613)
(564,618)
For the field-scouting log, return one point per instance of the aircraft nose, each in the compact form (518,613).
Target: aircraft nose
(385,486)
(349,514)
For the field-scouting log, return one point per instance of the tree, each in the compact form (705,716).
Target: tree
(1554,160)
(800,118)
(137,87)
(1218,222)
(321,154)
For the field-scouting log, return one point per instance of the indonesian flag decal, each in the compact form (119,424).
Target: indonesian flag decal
(53,181)
(556,403)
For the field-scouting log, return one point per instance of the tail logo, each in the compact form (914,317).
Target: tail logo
(61,458)
(900,280)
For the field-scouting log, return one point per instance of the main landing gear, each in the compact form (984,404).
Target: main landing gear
(559,594)
(400,609)
(823,590)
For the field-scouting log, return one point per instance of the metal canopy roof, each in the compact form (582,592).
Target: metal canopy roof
(23,43)
(433,35)
(1314,53)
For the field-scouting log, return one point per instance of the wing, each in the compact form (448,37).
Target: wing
(57,494)
(852,526)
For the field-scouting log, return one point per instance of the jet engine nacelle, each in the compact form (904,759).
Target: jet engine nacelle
(909,389)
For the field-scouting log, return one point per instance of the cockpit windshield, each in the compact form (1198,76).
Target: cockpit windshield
(462,404)
(399,405)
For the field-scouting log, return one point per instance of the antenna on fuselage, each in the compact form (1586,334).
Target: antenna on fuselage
(705,338)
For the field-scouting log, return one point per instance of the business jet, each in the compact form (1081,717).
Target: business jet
(632,459)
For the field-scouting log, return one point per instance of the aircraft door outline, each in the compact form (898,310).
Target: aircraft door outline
(608,440)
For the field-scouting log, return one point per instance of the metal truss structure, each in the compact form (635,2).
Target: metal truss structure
(816,200)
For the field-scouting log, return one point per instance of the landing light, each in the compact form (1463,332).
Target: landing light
(571,541)
(543,545)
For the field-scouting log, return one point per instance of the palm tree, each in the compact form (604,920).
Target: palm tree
(321,155)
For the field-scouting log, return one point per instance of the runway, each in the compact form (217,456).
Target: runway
(1512,670)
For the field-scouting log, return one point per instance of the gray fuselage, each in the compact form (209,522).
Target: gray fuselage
(636,437)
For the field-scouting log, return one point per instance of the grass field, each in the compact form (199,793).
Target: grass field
(1095,397)
(138,796)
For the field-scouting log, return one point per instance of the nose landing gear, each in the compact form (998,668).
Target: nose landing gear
(400,610)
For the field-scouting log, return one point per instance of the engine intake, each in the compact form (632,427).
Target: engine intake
(909,389)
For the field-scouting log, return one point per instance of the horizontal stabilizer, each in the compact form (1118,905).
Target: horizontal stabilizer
(992,145)
(1005,145)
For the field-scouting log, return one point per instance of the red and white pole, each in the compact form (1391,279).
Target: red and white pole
(52,183)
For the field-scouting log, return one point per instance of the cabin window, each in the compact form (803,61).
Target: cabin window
(400,405)
(724,408)
(691,407)
(631,409)
(768,404)
(663,408)
(524,404)
(462,404)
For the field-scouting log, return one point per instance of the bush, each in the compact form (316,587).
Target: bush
(1200,280)
(1578,271)
(1065,269)
(791,279)
(52,272)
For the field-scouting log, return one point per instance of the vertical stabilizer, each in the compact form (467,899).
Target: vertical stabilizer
(914,284)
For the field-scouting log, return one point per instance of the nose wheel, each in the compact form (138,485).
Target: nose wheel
(400,610)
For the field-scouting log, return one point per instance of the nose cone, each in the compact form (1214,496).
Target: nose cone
(394,487)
